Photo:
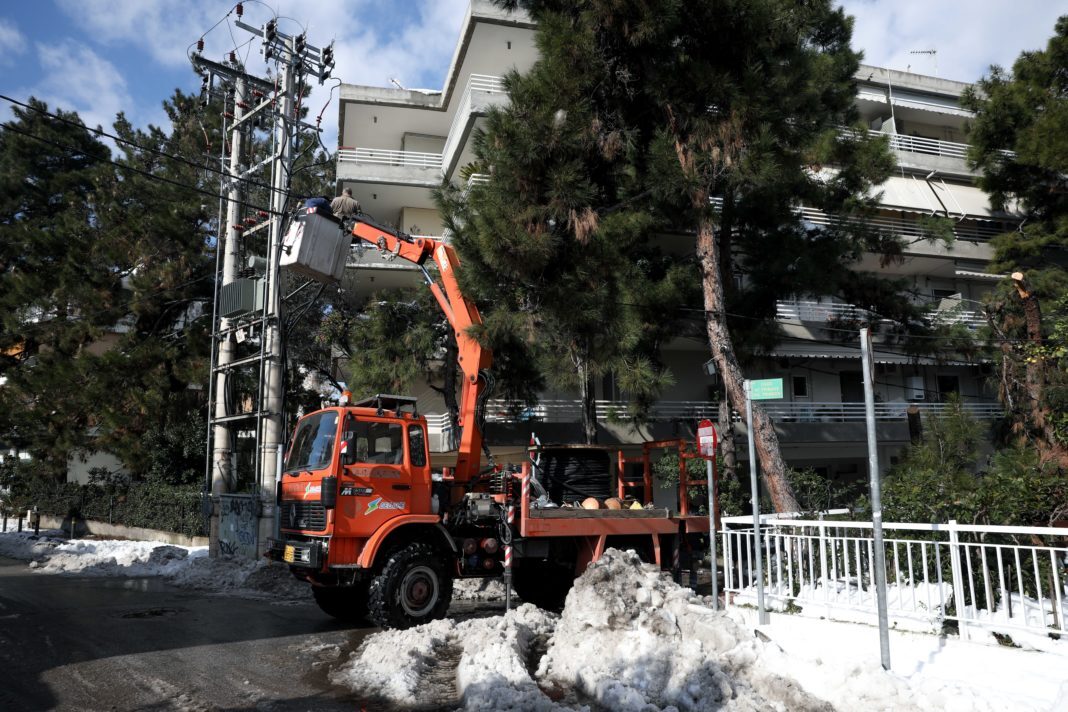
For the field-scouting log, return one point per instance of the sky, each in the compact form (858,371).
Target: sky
(100,57)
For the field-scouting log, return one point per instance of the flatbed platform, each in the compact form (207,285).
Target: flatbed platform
(579,513)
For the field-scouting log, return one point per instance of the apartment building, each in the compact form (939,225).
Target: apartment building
(396,145)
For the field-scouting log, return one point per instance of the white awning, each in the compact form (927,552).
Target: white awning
(966,200)
(907,193)
(928,102)
(801,350)
(969,274)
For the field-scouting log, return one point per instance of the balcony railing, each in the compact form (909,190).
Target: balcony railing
(910,227)
(929,146)
(478,85)
(383,157)
(570,411)
(801,310)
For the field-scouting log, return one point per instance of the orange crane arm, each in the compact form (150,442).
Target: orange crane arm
(461,313)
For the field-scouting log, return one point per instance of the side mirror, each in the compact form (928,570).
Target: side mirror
(328,492)
(348,451)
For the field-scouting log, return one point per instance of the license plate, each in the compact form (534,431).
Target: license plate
(290,554)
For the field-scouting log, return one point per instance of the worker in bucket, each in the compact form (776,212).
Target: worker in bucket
(345,206)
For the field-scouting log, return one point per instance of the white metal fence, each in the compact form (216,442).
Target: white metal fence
(564,411)
(1007,580)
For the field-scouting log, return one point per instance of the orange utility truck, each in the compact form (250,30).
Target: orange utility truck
(379,534)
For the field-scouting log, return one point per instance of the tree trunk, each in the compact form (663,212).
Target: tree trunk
(767,440)
(1035,367)
(727,447)
(587,393)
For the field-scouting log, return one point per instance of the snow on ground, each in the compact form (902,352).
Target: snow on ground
(918,608)
(630,639)
(188,567)
(478,664)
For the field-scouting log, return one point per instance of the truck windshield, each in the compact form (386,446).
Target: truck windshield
(313,445)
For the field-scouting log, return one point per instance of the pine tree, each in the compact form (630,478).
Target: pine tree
(731,110)
(105,278)
(1026,113)
(55,282)
(555,244)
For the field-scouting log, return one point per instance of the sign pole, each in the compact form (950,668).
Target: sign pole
(879,564)
(762,614)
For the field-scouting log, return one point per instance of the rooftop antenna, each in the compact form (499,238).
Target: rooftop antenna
(396,83)
(932,53)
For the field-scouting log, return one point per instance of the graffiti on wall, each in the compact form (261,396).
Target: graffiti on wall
(237,526)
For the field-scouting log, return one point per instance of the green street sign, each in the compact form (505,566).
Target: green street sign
(765,389)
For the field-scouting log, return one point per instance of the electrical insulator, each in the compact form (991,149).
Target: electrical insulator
(239,9)
(200,45)
(270,32)
(326,63)
(233,58)
(300,43)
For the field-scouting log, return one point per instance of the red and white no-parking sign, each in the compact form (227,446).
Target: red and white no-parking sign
(706,438)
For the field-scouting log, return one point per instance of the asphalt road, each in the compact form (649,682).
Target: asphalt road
(111,643)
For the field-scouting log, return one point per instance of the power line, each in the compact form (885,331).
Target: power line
(77,151)
(146,149)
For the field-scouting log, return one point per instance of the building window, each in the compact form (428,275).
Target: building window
(800,386)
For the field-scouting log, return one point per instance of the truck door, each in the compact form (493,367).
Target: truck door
(378,486)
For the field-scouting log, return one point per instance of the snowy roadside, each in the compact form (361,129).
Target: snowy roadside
(629,639)
(187,567)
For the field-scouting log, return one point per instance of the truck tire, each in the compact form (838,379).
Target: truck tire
(543,583)
(415,587)
(346,603)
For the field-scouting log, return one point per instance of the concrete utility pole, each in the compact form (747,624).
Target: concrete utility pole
(221,474)
(274,383)
(249,518)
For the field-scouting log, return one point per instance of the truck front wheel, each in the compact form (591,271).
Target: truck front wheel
(413,588)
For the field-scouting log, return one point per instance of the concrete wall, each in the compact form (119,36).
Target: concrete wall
(83,527)
(421,221)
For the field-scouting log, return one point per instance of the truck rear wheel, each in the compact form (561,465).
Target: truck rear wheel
(414,587)
(346,603)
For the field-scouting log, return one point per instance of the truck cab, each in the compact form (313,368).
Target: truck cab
(350,473)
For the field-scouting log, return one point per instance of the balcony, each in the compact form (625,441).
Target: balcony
(907,226)
(482,92)
(813,311)
(374,165)
(929,146)
(570,411)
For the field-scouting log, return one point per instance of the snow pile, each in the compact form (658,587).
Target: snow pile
(394,665)
(919,607)
(631,639)
(188,567)
(478,664)
(103,558)
(487,589)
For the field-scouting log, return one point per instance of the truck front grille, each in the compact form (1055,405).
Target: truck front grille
(305,516)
